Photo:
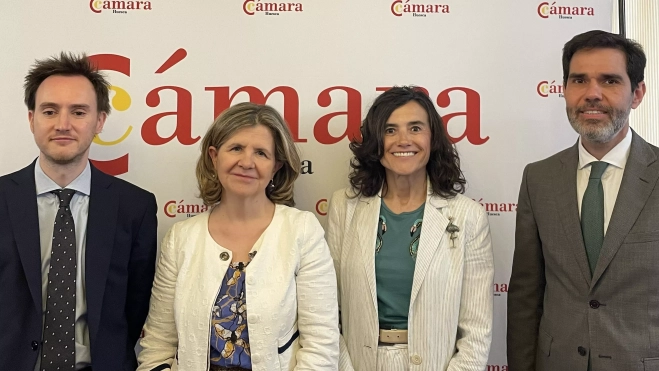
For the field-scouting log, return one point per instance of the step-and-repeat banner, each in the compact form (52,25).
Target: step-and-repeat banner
(493,68)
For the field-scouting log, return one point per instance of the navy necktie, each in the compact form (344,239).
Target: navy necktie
(59,322)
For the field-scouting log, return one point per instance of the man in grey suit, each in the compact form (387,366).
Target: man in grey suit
(584,290)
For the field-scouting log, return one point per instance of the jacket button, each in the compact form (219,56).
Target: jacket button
(416,359)
(35,345)
(582,351)
(224,256)
(594,304)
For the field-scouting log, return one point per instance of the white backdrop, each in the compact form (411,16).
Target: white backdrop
(493,68)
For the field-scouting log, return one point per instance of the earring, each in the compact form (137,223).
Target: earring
(270,188)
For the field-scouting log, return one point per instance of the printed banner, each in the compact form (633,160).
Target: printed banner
(492,67)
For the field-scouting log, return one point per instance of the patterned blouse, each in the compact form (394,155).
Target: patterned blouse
(229,341)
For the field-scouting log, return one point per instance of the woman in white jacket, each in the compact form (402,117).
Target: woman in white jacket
(412,255)
(249,284)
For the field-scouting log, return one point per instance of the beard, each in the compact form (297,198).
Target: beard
(598,131)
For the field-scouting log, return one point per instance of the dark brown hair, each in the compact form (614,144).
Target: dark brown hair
(367,176)
(601,40)
(67,64)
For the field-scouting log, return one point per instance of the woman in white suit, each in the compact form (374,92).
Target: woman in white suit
(249,284)
(413,256)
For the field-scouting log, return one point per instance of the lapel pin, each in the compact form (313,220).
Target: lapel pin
(453,230)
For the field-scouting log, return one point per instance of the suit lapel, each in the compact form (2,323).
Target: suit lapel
(568,208)
(101,224)
(432,235)
(367,213)
(637,184)
(24,217)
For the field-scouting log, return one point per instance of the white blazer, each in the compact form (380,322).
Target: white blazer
(450,315)
(290,286)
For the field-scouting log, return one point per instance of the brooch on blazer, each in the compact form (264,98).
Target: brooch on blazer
(453,230)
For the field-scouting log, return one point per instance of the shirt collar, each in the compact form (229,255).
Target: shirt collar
(617,156)
(80,184)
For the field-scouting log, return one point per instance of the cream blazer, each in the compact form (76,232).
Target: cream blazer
(450,315)
(290,286)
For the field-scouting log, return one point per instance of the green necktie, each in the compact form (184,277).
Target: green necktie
(592,214)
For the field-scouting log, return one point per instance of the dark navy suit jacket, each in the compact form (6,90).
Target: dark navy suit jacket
(119,268)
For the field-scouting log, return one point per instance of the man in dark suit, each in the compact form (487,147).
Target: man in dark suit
(583,293)
(77,246)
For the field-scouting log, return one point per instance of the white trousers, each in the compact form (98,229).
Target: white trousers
(393,358)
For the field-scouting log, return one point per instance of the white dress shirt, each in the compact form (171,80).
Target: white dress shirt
(612,177)
(48,205)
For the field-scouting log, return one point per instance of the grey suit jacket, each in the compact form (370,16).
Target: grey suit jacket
(558,316)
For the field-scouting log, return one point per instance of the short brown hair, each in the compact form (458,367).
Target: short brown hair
(235,118)
(597,39)
(67,64)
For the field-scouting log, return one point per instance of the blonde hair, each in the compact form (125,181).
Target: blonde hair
(235,118)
